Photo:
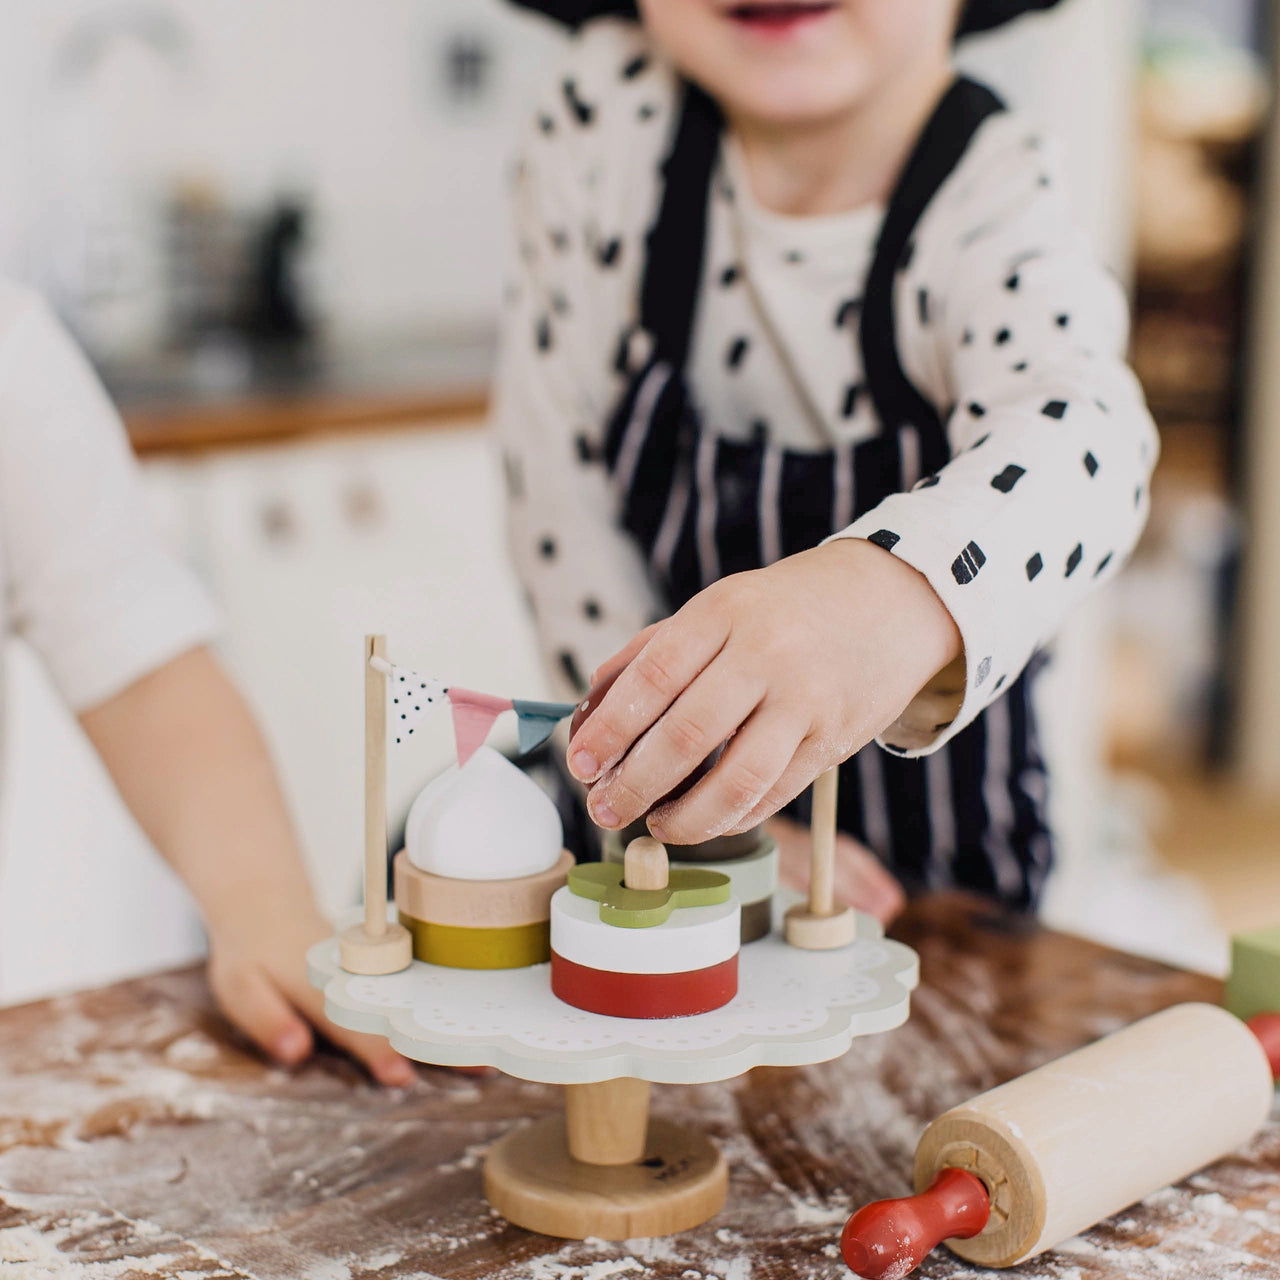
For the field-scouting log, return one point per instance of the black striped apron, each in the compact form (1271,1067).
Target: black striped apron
(703,505)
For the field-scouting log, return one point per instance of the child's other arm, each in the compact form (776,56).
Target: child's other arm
(120,625)
(189,762)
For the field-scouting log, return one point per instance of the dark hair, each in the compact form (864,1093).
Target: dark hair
(976,15)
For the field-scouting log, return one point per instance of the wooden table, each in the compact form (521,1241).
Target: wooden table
(139,1139)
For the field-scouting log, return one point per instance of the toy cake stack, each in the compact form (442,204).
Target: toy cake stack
(645,959)
(482,858)
(641,940)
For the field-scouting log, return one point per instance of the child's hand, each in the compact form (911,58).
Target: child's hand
(795,667)
(257,969)
(861,880)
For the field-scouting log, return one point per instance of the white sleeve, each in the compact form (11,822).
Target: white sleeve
(557,382)
(91,586)
(1006,318)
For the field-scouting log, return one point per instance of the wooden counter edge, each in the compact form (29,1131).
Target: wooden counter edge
(192,428)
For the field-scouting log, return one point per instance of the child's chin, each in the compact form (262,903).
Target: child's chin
(791,99)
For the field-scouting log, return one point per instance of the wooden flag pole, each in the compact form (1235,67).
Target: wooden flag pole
(376,945)
(818,925)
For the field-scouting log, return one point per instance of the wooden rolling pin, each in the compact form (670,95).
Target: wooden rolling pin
(1029,1164)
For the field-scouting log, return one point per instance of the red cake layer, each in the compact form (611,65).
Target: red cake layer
(644,995)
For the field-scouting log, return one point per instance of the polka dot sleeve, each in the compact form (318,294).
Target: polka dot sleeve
(1004,315)
(575,277)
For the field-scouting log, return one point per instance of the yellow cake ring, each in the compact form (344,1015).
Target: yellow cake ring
(457,947)
(478,924)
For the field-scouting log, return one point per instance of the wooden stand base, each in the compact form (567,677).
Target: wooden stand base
(361,952)
(534,1180)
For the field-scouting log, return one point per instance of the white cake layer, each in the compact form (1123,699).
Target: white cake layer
(690,938)
(485,821)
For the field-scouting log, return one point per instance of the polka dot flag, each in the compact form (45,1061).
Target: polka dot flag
(414,696)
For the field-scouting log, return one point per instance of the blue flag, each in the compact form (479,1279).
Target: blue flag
(536,721)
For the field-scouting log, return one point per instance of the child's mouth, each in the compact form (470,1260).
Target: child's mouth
(779,18)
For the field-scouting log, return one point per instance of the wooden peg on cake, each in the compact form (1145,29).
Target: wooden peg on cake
(376,945)
(644,865)
(818,924)
(1029,1164)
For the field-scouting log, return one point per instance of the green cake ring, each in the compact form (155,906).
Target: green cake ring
(643,908)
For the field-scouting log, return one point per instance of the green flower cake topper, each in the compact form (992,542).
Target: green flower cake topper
(643,908)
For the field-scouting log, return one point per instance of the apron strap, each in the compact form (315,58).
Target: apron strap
(677,241)
(942,143)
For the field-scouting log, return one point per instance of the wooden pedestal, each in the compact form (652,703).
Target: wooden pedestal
(604,1169)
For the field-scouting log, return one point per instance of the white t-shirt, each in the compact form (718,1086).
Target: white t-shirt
(84,576)
(1004,319)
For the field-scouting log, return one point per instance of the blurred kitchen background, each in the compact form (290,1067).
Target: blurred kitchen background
(277,226)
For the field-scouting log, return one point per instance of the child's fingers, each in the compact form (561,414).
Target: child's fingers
(805,765)
(611,666)
(254,1004)
(384,1064)
(684,736)
(864,882)
(751,766)
(674,655)
(606,673)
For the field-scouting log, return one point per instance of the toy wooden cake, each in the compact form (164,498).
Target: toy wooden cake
(643,941)
(642,984)
(482,858)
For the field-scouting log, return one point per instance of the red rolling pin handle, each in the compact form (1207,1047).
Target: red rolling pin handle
(889,1239)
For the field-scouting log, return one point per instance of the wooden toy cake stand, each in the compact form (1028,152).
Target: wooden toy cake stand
(603,1167)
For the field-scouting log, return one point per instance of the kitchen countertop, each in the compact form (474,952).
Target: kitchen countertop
(140,1139)
(227,395)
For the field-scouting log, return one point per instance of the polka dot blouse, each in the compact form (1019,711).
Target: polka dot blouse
(1005,321)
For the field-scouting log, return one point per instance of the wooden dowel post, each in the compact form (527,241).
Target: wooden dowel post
(375,790)
(819,924)
(608,1122)
(822,855)
(375,945)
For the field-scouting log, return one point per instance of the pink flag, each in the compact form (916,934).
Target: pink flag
(473,717)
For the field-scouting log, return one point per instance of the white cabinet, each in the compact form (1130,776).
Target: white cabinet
(307,546)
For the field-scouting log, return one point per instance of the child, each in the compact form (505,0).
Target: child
(122,629)
(806,353)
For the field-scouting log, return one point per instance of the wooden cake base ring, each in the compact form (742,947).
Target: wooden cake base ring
(813,932)
(387,952)
(534,1179)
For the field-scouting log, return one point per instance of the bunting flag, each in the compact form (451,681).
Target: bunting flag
(413,698)
(536,721)
(473,717)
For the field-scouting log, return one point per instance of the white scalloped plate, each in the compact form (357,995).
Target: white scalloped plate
(793,1007)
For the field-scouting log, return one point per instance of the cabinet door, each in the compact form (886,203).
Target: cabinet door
(310,546)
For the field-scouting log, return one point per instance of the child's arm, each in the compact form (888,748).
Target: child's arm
(1003,314)
(120,625)
(191,765)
